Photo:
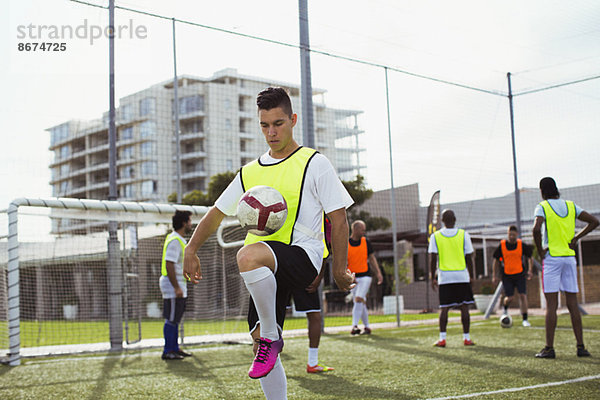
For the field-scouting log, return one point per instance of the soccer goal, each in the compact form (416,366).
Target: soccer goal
(78,275)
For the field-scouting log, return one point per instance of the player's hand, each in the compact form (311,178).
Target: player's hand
(178,292)
(544,251)
(573,244)
(314,284)
(345,280)
(379,278)
(191,266)
(434,283)
(529,275)
(495,280)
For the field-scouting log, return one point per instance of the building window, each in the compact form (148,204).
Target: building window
(147,128)
(148,188)
(128,172)
(191,104)
(126,133)
(126,113)
(64,170)
(242,145)
(194,126)
(148,149)
(147,106)
(127,153)
(128,191)
(59,133)
(228,124)
(149,168)
(227,104)
(229,165)
(189,148)
(64,187)
(63,152)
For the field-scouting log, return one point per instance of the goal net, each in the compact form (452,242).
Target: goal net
(62,267)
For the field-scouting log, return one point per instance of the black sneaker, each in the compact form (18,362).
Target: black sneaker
(582,351)
(172,355)
(183,353)
(355,331)
(367,331)
(547,352)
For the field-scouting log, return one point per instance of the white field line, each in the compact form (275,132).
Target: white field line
(518,389)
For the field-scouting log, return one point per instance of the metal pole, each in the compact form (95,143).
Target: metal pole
(308,122)
(356,144)
(114,273)
(14,309)
(393,199)
(176,113)
(485,260)
(514,154)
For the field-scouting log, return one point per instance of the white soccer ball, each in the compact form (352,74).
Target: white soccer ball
(506,321)
(262,210)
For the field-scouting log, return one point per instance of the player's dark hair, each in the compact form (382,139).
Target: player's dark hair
(513,228)
(273,97)
(548,188)
(180,218)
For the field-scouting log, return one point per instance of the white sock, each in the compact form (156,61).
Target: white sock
(365,315)
(356,313)
(466,336)
(313,356)
(262,286)
(442,335)
(274,385)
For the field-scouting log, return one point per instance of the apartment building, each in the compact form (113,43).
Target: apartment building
(219,132)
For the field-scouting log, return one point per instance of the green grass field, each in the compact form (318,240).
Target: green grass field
(398,363)
(60,332)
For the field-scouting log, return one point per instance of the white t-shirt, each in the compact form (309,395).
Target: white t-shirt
(322,191)
(445,277)
(560,207)
(174,255)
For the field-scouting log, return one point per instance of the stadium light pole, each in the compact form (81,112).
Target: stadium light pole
(514,154)
(393,200)
(115,284)
(176,113)
(308,122)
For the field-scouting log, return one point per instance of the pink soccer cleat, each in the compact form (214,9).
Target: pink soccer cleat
(265,358)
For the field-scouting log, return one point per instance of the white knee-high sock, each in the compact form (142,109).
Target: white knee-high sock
(365,315)
(356,312)
(262,286)
(274,385)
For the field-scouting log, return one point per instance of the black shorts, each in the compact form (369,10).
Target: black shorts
(509,282)
(295,271)
(173,309)
(455,294)
(306,302)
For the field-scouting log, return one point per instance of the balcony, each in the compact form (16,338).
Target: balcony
(186,137)
(194,174)
(191,156)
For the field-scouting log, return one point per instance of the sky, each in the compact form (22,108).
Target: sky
(443,137)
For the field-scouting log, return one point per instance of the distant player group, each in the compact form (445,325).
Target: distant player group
(288,263)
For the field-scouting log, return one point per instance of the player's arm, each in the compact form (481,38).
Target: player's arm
(315,284)
(173,277)
(592,223)
(470,264)
(494,271)
(207,226)
(530,269)
(433,269)
(375,265)
(537,236)
(339,244)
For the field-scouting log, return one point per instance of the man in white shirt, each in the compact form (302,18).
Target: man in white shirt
(452,274)
(272,268)
(173,286)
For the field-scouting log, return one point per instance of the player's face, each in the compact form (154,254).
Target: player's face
(512,236)
(188,226)
(277,127)
(360,229)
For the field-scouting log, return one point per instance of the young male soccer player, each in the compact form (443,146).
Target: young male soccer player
(173,286)
(290,258)
(360,257)
(511,251)
(454,249)
(557,251)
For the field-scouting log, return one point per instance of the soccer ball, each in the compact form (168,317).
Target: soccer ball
(262,210)
(506,321)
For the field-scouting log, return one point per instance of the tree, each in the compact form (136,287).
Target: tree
(360,193)
(216,186)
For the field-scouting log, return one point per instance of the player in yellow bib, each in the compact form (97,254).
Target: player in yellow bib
(557,250)
(273,266)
